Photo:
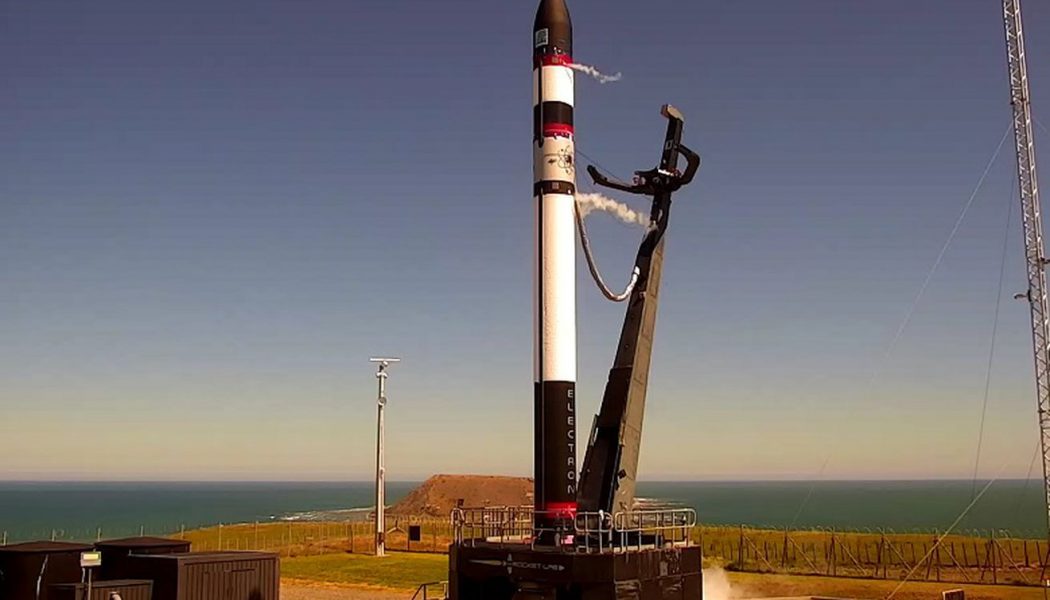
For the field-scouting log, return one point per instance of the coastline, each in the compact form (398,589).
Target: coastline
(87,510)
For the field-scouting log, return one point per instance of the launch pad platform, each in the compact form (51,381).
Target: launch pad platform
(646,555)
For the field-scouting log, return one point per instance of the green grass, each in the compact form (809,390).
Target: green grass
(401,571)
(846,554)
(291,539)
(397,570)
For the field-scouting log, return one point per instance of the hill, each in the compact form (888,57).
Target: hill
(438,495)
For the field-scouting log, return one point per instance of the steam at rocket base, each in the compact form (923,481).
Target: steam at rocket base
(554,188)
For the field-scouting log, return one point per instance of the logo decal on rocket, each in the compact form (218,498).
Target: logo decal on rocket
(542,37)
(563,159)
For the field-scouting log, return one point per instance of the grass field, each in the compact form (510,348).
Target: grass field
(396,571)
(755,585)
(308,538)
(400,571)
(761,562)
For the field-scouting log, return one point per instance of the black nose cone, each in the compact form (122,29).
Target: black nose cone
(552,32)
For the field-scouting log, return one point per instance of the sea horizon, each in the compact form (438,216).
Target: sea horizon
(421,479)
(86,509)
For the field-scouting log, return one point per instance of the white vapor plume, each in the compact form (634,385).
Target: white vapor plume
(595,73)
(716,585)
(589,203)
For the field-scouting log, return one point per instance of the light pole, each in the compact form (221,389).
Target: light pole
(381,375)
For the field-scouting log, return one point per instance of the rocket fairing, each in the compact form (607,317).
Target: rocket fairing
(554,189)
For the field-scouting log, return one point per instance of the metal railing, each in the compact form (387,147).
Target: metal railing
(654,527)
(584,532)
(423,591)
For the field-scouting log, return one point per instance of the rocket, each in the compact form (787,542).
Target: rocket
(554,189)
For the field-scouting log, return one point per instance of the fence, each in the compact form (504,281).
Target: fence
(988,557)
(288,538)
(994,558)
(293,538)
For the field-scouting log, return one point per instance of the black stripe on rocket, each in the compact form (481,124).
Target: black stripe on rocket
(555,458)
(551,113)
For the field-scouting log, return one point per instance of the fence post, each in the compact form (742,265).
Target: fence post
(784,556)
(220,537)
(937,557)
(142,530)
(991,554)
(1043,560)
(256,535)
(927,554)
(4,543)
(98,535)
(832,561)
(977,558)
(740,549)
(878,555)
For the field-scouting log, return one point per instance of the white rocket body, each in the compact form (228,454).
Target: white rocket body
(554,188)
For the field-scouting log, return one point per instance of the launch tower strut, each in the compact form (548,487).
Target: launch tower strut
(1035,256)
(607,481)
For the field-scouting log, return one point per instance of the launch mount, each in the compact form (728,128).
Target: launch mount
(605,550)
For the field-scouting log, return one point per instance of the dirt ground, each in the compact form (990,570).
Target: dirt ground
(736,586)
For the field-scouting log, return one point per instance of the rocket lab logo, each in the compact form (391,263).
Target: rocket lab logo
(510,564)
(542,37)
(562,159)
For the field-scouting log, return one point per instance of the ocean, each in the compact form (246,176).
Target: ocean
(79,510)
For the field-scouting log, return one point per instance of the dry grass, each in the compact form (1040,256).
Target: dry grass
(291,539)
(361,577)
(337,553)
(756,585)
(398,571)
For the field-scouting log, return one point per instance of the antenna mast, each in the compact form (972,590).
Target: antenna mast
(1033,226)
(381,375)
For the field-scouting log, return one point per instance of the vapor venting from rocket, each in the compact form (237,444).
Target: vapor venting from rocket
(589,203)
(595,73)
(716,585)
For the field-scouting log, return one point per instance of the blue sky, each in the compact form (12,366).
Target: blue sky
(211,214)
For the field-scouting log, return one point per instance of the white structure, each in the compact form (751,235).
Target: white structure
(381,375)
(554,196)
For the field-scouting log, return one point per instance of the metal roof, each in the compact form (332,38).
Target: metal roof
(44,547)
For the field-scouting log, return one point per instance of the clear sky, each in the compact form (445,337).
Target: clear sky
(212,213)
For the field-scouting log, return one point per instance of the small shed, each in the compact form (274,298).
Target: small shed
(209,575)
(126,589)
(31,566)
(116,552)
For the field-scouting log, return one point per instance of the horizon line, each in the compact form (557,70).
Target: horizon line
(417,481)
